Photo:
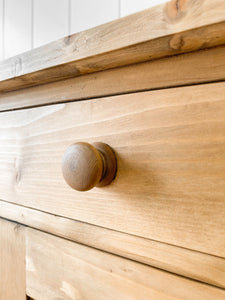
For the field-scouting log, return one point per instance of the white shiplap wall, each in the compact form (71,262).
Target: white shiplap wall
(128,7)
(50,20)
(1,29)
(90,13)
(17,27)
(25,24)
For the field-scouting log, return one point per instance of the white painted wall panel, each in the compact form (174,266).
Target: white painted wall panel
(17,26)
(32,23)
(132,6)
(1,29)
(90,13)
(50,20)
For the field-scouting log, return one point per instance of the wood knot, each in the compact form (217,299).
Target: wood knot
(186,42)
(177,42)
(176,9)
(16,68)
(71,44)
(67,40)
(16,228)
(17,167)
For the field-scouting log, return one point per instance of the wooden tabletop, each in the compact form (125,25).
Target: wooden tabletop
(175,27)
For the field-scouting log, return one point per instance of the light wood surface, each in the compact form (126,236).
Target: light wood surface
(186,69)
(12,261)
(188,263)
(169,146)
(57,268)
(164,30)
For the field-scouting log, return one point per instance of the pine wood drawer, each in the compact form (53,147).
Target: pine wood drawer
(49,267)
(169,144)
(60,269)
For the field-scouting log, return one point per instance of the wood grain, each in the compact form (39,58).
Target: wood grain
(186,69)
(169,145)
(12,261)
(188,263)
(57,268)
(164,30)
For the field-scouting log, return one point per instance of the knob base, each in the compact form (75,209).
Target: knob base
(109,162)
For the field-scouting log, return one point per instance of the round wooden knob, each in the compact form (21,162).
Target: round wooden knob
(85,166)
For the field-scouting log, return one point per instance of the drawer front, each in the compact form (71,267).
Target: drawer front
(169,144)
(12,261)
(60,269)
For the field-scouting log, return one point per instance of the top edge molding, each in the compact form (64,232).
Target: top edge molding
(168,29)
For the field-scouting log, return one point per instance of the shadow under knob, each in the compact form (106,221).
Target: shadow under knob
(85,166)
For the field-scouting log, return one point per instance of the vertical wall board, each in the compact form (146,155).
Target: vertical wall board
(131,6)
(88,13)
(50,20)
(1,29)
(17,27)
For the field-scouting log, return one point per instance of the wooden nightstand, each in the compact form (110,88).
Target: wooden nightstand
(149,222)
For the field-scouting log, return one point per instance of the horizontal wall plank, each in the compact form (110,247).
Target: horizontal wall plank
(186,69)
(169,143)
(188,263)
(160,31)
(57,268)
